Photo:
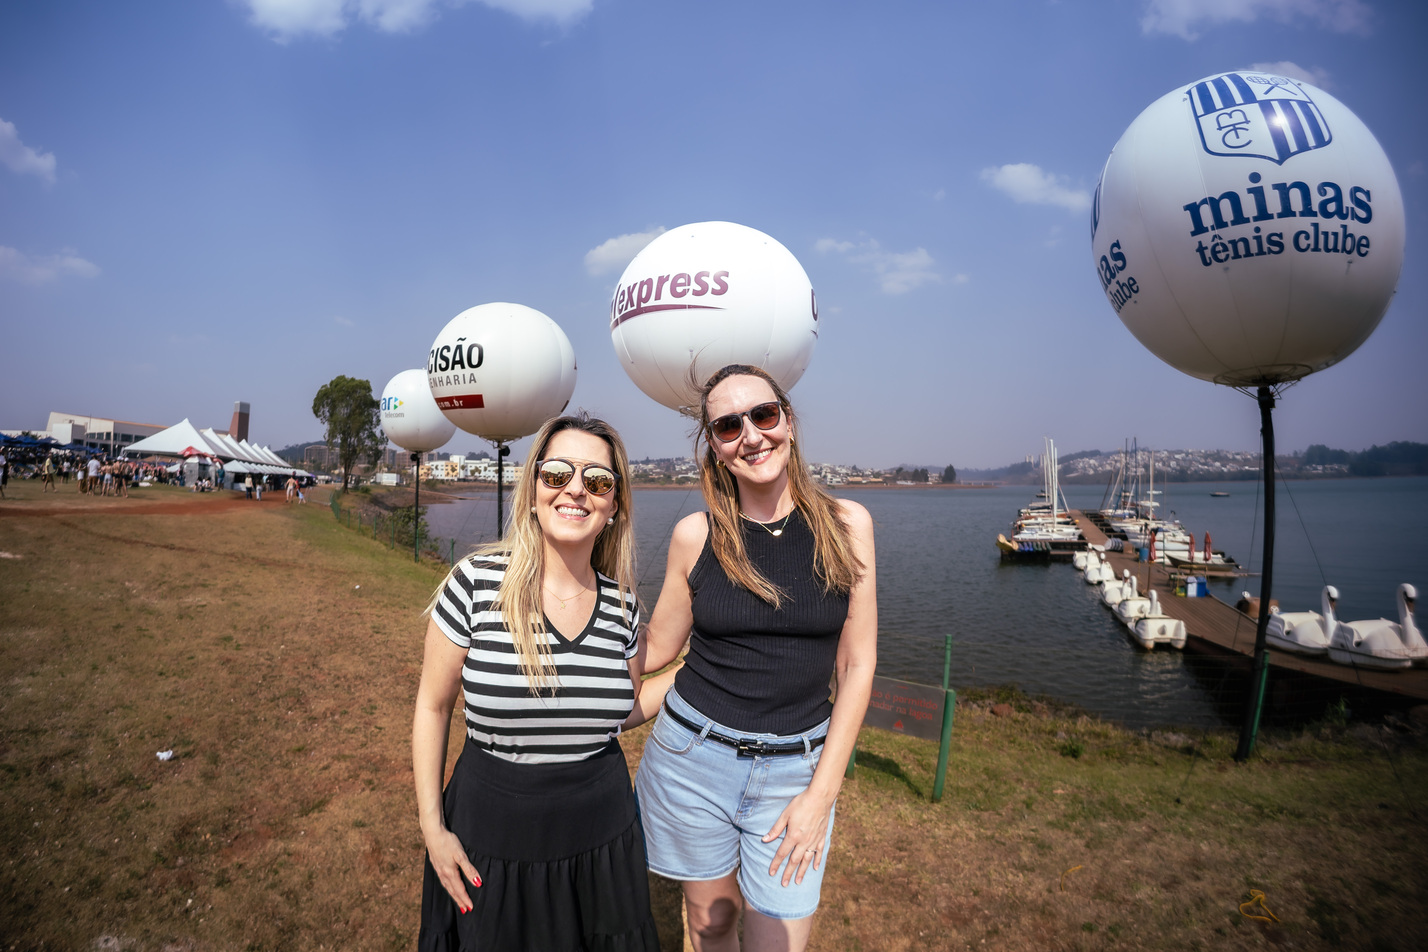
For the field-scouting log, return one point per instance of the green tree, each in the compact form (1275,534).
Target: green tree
(949,475)
(353,418)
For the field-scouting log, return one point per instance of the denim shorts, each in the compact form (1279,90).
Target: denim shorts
(705,809)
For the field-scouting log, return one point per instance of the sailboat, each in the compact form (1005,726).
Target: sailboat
(1042,530)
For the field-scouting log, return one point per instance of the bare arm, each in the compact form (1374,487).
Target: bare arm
(673,614)
(440,685)
(804,821)
(649,695)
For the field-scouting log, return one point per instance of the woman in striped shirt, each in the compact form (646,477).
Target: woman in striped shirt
(535,843)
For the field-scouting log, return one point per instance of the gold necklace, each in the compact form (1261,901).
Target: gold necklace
(773,532)
(562,601)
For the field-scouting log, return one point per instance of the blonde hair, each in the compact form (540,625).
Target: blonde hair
(834,561)
(519,598)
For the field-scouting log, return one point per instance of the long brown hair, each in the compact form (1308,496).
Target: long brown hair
(834,561)
(519,598)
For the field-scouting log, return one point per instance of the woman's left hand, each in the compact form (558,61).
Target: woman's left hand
(803,824)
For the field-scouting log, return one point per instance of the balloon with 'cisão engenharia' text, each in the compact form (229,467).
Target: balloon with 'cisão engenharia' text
(1248,229)
(501,370)
(706,295)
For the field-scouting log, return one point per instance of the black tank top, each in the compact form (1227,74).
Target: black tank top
(750,666)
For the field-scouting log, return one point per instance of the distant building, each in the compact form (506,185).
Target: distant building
(107,435)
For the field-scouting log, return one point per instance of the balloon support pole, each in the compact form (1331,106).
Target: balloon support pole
(502,451)
(1259,670)
(416,507)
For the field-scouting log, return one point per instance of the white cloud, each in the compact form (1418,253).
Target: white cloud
(17,266)
(1029,185)
(340,320)
(557,11)
(613,255)
(290,19)
(20,158)
(286,19)
(897,271)
(1183,17)
(961,278)
(1317,76)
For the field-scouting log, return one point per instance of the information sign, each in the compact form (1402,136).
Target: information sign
(906,708)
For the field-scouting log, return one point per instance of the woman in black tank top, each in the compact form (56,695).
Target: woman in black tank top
(774,591)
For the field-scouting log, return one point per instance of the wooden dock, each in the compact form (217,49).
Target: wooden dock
(1214,627)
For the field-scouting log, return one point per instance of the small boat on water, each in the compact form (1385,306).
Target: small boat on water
(1218,494)
(1208,562)
(1380,643)
(1305,633)
(1157,628)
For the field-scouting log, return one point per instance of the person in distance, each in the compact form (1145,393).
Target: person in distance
(774,590)
(536,844)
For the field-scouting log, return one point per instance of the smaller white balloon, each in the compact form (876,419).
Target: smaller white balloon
(501,370)
(410,417)
(706,295)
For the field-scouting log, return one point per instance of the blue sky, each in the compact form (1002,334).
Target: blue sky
(205,201)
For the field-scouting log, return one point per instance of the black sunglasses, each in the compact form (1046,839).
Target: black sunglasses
(556,473)
(727,428)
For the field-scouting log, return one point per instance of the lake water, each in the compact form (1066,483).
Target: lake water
(1039,626)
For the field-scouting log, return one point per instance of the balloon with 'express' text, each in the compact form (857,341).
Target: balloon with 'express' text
(706,295)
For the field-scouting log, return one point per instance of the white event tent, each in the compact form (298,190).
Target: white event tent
(238,456)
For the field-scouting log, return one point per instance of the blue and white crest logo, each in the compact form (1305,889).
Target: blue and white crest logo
(1258,115)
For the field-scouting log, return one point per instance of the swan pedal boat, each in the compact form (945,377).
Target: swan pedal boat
(1114,590)
(1098,570)
(1157,628)
(1380,643)
(1303,633)
(1132,608)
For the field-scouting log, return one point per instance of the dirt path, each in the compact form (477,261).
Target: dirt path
(161,503)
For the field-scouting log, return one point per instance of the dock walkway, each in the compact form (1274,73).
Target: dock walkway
(1213,626)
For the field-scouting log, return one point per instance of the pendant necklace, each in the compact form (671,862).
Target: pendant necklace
(773,532)
(563,600)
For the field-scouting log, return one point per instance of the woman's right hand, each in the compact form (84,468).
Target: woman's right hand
(453,867)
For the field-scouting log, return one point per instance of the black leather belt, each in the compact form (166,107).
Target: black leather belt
(745,747)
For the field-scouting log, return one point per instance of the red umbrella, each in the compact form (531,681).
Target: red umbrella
(1207,545)
(1152,546)
(1192,547)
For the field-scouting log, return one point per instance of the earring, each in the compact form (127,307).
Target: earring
(610,521)
(532,508)
(719,463)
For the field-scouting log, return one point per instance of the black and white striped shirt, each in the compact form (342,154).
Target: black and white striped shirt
(593,692)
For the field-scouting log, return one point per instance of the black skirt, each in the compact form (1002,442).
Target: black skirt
(560,853)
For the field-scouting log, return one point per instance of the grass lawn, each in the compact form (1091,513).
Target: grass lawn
(276,652)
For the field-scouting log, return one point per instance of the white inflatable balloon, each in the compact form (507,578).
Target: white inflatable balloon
(1248,229)
(410,417)
(712,294)
(501,370)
